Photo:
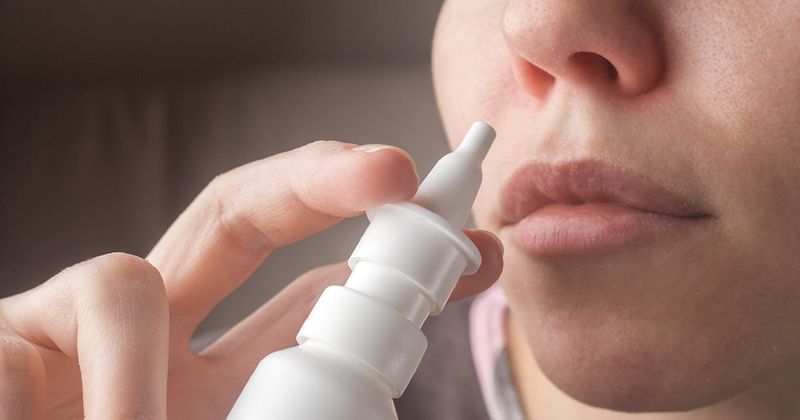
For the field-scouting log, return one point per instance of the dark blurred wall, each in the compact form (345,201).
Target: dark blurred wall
(114,115)
(92,39)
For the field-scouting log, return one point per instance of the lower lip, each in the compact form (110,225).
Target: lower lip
(592,228)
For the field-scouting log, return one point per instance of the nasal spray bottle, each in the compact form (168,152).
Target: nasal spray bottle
(362,343)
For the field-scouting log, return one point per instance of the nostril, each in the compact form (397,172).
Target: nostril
(532,78)
(593,65)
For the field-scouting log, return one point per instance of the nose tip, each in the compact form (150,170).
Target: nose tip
(595,44)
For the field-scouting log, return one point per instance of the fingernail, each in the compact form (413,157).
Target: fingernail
(493,236)
(371,148)
(499,242)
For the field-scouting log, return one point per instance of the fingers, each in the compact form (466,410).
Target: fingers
(491,265)
(22,379)
(110,313)
(275,325)
(242,215)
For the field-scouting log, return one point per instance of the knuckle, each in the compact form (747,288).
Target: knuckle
(228,197)
(231,219)
(218,183)
(313,152)
(324,145)
(119,265)
(123,277)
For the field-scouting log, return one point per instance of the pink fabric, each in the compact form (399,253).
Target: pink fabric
(488,339)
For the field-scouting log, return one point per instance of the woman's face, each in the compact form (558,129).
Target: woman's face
(683,117)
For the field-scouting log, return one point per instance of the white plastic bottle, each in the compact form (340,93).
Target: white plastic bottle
(362,343)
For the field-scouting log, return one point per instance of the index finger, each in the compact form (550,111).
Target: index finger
(242,215)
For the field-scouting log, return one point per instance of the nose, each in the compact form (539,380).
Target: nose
(596,44)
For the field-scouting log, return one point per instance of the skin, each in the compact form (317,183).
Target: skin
(702,99)
(108,338)
(699,97)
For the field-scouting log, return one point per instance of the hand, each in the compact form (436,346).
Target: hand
(108,338)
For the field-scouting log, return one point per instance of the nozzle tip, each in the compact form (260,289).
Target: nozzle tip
(478,140)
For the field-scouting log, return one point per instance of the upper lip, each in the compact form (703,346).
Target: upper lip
(538,184)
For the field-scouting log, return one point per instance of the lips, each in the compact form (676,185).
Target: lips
(586,207)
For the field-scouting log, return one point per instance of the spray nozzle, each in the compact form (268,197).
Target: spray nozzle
(452,184)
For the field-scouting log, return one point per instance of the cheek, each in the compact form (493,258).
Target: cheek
(471,71)
(742,86)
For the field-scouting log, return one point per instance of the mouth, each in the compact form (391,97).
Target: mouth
(589,207)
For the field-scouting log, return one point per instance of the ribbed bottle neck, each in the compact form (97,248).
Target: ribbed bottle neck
(393,288)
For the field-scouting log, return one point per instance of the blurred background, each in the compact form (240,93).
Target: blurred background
(115,114)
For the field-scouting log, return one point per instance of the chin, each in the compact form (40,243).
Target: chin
(620,389)
(634,372)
